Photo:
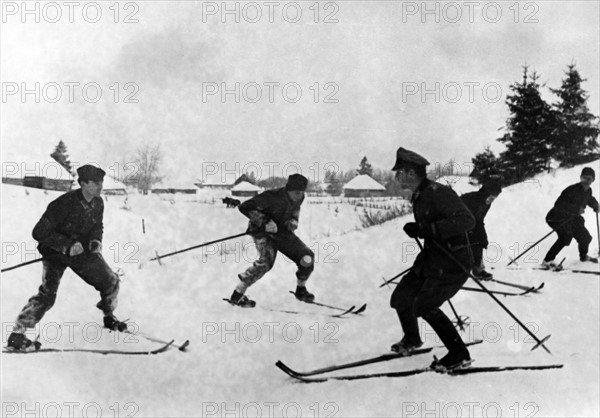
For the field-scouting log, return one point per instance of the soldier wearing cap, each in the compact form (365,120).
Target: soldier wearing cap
(69,234)
(273,217)
(479,203)
(565,218)
(443,221)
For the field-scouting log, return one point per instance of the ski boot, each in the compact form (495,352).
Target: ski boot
(404,348)
(483,275)
(551,265)
(19,342)
(113,324)
(588,258)
(304,295)
(453,360)
(241,300)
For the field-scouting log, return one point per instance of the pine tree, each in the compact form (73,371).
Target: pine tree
(485,166)
(365,167)
(577,130)
(529,131)
(60,156)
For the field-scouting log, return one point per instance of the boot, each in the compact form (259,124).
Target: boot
(588,258)
(551,265)
(19,342)
(453,360)
(304,295)
(241,300)
(483,275)
(404,347)
(113,324)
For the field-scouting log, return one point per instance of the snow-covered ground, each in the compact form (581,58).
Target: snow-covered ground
(229,368)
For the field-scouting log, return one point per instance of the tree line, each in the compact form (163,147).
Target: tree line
(538,134)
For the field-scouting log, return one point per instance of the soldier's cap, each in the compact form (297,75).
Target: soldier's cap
(404,156)
(588,171)
(89,172)
(296,182)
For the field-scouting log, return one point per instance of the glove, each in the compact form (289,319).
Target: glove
(75,249)
(95,246)
(411,229)
(271,227)
(291,225)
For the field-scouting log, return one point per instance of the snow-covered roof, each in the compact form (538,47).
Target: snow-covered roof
(110,183)
(363,182)
(36,164)
(244,186)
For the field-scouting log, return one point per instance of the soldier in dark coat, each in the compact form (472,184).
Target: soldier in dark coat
(273,217)
(479,203)
(443,220)
(565,218)
(69,234)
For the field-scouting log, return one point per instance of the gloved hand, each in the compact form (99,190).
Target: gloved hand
(271,227)
(291,225)
(411,229)
(95,246)
(75,249)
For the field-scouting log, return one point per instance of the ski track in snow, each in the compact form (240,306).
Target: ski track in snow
(229,367)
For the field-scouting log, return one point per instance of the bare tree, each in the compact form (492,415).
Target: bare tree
(147,160)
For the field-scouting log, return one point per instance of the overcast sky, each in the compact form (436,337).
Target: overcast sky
(361,66)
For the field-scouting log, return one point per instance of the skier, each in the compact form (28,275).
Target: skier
(565,218)
(69,234)
(479,203)
(273,217)
(443,220)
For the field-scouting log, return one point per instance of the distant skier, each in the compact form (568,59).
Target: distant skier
(441,218)
(69,234)
(273,217)
(479,203)
(565,218)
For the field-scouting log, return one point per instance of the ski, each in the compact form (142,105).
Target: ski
(518,286)
(404,373)
(88,350)
(359,310)
(182,347)
(597,273)
(289,311)
(378,359)
(488,369)
(496,292)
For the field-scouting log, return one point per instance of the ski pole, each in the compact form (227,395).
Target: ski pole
(537,242)
(21,265)
(404,272)
(460,323)
(458,263)
(159,257)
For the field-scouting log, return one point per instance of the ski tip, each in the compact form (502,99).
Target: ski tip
(360,310)
(345,312)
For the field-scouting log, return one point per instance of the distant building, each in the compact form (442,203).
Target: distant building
(171,186)
(112,186)
(38,172)
(363,186)
(245,189)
